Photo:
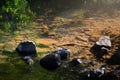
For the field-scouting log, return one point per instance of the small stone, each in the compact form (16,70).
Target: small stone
(76,61)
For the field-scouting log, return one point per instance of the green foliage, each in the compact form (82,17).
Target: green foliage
(7,26)
(14,12)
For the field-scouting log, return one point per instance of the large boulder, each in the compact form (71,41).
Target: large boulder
(102,46)
(51,61)
(26,48)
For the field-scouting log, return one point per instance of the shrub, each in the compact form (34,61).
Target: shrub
(14,12)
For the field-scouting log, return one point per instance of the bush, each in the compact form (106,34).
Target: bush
(14,12)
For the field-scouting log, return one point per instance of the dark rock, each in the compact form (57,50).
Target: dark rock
(96,74)
(51,61)
(102,74)
(114,75)
(76,61)
(109,76)
(101,47)
(115,59)
(117,73)
(63,52)
(92,63)
(26,48)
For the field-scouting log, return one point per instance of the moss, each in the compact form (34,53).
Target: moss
(42,46)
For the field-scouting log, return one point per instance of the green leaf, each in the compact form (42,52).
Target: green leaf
(16,2)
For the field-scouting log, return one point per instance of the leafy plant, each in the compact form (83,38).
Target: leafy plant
(14,12)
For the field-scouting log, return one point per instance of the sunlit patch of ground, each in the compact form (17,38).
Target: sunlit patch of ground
(70,29)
